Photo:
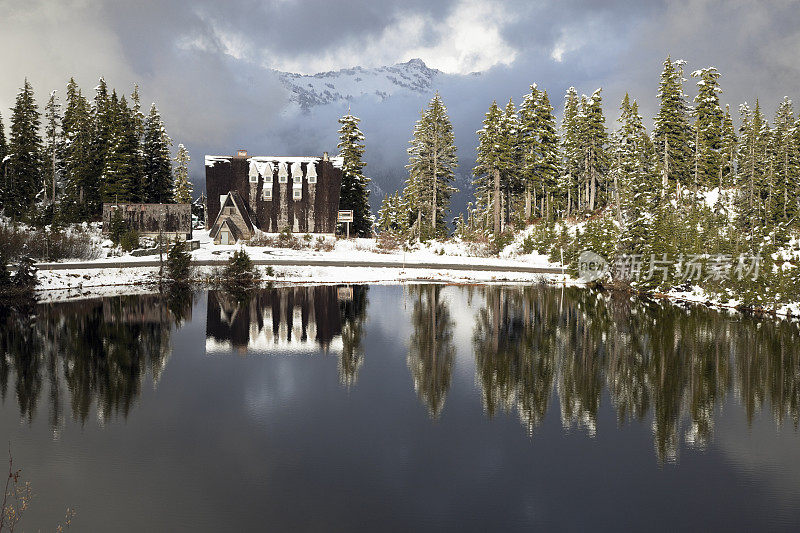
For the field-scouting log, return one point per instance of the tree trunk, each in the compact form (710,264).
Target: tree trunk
(527,202)
(665,176)
(435,180)
(497,201)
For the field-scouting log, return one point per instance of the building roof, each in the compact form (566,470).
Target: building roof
(337,162)
(232,199)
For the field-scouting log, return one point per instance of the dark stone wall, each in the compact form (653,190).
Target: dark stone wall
(152,218)
(232,174)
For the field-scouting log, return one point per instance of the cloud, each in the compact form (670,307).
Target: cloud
(208,64)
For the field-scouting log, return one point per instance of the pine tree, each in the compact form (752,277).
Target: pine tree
(489,164)
(729,144)
(3,161)
(104,113)
(753,169)
(595,139)
(571,150)
(385,215)
(53,146)
(431,164)
(549,168)
(634,179)
(529,140)
(183,187)
(355,191)
(786,163)
(511,181)
(122,173)
(156,186)
(708,125)
(25,150)
(672,132)
(81,198)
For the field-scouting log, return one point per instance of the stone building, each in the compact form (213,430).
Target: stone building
(150,220)
(272,193)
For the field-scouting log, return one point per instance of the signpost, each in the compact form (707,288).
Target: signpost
(346,217)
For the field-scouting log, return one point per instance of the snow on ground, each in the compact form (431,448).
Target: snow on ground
(70,283)
(363,250)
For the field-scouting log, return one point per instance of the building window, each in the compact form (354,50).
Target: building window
(282,178)
(298,179)
(312,179)
(267,194)
(297,194)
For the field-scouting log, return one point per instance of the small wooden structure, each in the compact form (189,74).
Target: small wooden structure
(150,220)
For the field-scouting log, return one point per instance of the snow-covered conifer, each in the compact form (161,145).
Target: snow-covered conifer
(25,155)
(182,185)
(355,191)
(157,186)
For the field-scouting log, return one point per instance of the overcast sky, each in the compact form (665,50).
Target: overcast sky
(207,63)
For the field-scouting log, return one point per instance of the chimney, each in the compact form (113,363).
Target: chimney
(325,156)
(241,153)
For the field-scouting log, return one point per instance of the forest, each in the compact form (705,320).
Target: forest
(60,165)
(696,191)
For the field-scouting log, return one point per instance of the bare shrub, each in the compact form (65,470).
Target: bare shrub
(47,244)
(324,245)
(388,242)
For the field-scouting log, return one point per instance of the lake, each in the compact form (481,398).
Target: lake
(415,407)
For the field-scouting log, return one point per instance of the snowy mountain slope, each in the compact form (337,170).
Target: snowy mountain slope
(309,90)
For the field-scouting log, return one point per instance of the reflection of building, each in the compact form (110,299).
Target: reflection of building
(290,320)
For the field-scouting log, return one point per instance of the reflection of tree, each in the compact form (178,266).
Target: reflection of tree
(515,354)
(354,313)
(431,351)
(655,359)
(98,350)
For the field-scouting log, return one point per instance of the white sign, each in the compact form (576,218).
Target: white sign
(346,216)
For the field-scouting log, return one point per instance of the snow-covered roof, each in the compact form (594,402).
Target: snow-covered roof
(337,162)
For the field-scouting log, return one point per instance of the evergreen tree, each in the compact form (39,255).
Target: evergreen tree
(25,150)
(549,168)
(183,187)
(729,144)
(571,150)
(3,161)
(708,167)
(594,145)
(81,198)
(489,164)
(511,181)
(156,158)
(431,164)
(53,146)
(786,163)
(672,132)
(529,140)
(104,113)
(122,173)
(634,179)
(385,214)
(752,168)
(355,191)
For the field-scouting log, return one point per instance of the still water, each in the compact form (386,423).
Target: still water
(423,407)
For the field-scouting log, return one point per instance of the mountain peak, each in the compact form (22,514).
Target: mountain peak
(309,90)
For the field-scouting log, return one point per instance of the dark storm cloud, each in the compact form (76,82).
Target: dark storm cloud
(207,63)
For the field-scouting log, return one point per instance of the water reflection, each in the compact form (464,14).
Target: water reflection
(88,352)
(431,351)
(535,349)
(655,359)
(292,320)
